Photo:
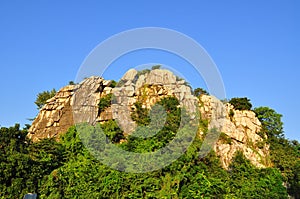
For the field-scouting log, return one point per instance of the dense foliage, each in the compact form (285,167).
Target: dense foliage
(66,169)
(285,154)
(155,67)
(104,102)
(200,91)
(241,103)
(43,97)
(24,164)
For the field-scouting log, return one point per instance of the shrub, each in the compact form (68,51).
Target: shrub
(140,114)
(155,67)
(225,138)
(112,131)
(113,83)
(242,103)
(200,91)
(104,102)
(43,97)
(143,72)
(231,114)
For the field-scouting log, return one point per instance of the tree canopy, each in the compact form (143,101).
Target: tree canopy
(43,97)
(241,103)
(200,91)
(66,169)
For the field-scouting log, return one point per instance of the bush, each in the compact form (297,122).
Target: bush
(225,138)
(112,131)
(43,97)
(105,102)
(231,114)
(140,115)
(200,91)
(113,83)
(143,72)
(155,67)
(242,103)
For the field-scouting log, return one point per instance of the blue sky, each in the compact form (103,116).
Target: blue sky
(255,45)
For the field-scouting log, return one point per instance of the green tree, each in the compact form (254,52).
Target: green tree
(112,131)
(249,182)
(105,102)
(242,103)
(284,154)
(156,67)
(200,91)
(270,120)
(43,97)
(23,164)
(140,115)
(113,84)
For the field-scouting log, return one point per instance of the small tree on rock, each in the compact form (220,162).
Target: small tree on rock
(43,97)
(242,103)
(200,91)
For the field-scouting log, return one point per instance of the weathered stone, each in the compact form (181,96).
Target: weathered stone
(162,77)
(85,100)
(130,75)
(105,115)
(79,103)
(140,82)
(57,110)
(242,128)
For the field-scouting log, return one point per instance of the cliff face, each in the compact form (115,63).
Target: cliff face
(55,117)
(239,132)
(79,103)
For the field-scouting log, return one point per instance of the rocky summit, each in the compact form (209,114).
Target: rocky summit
(80,103)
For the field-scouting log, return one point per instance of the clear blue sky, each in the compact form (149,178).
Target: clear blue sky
(255,44)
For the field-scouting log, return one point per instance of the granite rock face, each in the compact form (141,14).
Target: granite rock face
(71,105)
(79,103)
(148,88)
(54,117)
(241,129)
(86,98)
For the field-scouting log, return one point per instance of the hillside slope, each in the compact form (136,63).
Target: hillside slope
(80,103)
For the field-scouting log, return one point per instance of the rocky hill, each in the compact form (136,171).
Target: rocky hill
(80,103)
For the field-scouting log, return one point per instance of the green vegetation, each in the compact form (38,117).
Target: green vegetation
(112,131)
(231,114)
(161,138)
(143,72)
(105,102)
(155,67)
(43,97)
(66,169)
(241,103)
(140,114)
(113,83)
(225,138)
(200,91)
(285,155)
(272,125)
(24,164)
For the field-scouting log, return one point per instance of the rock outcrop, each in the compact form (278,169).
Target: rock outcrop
(79,103)
(72,104)
(148,88)
(54,117)
(239,132)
